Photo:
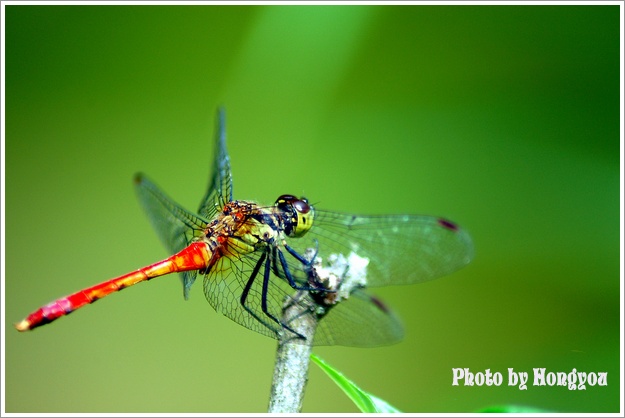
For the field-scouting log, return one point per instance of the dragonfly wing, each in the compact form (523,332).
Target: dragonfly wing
(174,225)
(225,283)
(362,320)
(220,190)
(401,249)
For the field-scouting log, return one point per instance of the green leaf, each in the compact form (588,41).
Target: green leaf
(363,400)
(513,409)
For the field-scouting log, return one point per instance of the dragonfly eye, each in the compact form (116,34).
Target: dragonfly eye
(298,214)
(302,205)
(285,198)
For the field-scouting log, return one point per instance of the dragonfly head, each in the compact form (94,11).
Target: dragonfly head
(296,213)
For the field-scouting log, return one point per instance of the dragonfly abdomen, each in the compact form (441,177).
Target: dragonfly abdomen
(194,257)
(69,304)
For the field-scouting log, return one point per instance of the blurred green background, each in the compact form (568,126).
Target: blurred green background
(504,119)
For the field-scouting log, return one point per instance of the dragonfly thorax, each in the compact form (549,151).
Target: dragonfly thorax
(239,229)
(296,214)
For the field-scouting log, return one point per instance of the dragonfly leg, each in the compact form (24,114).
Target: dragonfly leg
(306,262)
(308,268)
(246,292)
(248,287)
(266,278)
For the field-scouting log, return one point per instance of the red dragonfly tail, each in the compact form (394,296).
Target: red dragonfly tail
(194,257)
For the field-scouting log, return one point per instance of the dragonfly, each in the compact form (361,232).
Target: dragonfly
(253,258)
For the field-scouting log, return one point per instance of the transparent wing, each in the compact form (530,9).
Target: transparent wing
(226,281)
(362,320)
(220,191)
(401,249)
(174,225)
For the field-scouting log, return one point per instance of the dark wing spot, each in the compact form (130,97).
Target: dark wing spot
(381,305)
(448,224)
(138,178)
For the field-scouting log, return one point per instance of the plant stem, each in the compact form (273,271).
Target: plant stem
(292,358)
(339,276)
